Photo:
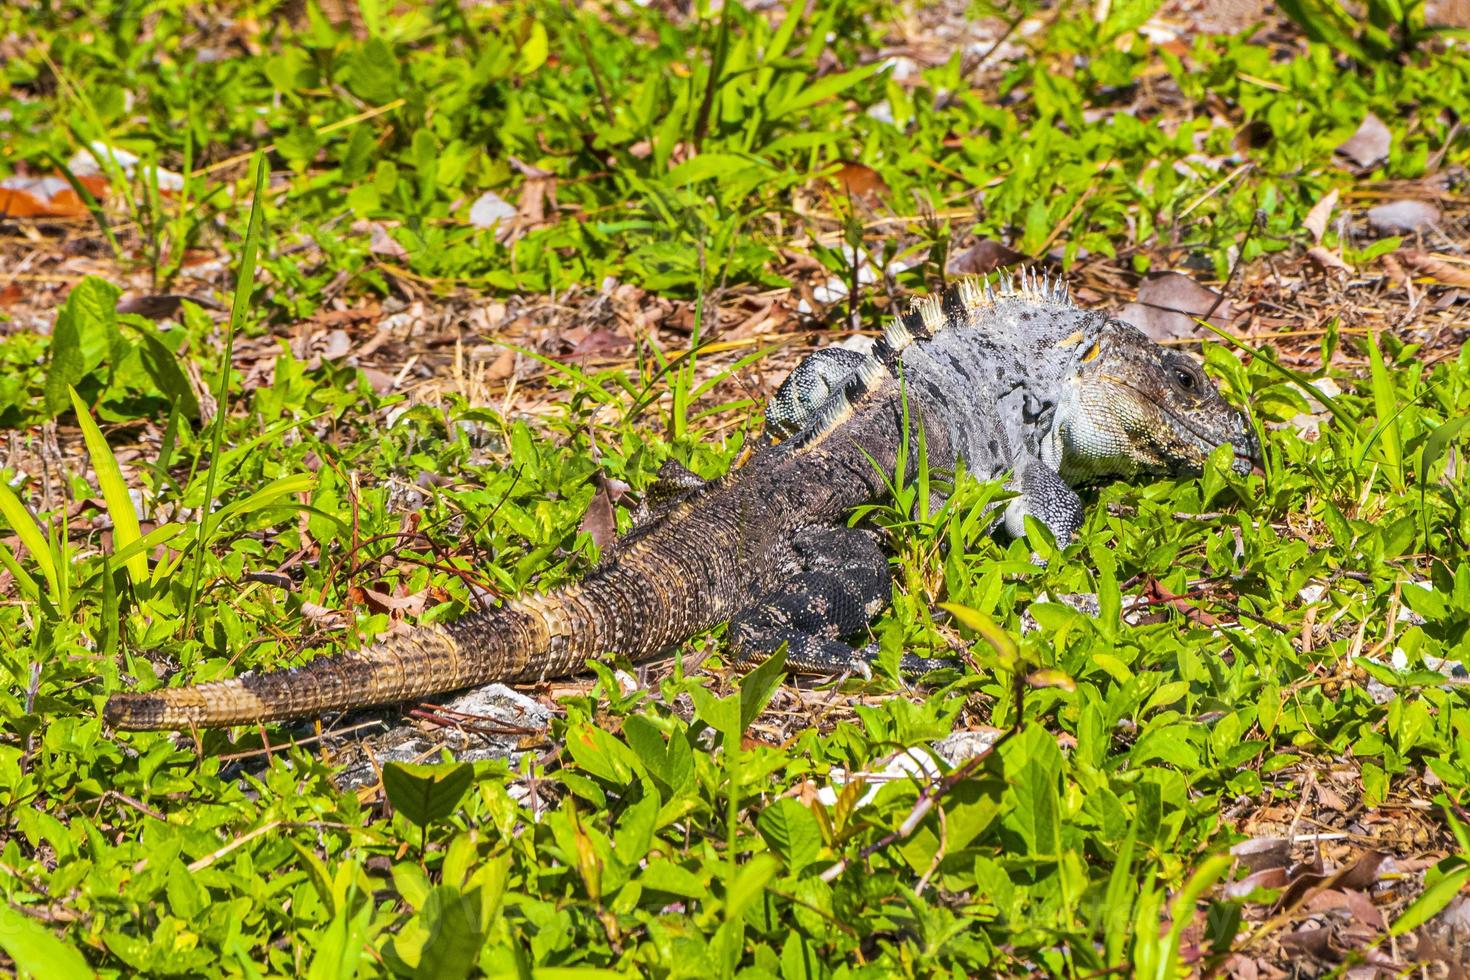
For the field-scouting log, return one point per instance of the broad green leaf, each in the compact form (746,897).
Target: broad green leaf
(792,832)
(453,947)
(426,794)
(85,331)
(36,952)
(759,685)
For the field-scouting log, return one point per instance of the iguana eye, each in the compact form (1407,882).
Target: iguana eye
(1185,379)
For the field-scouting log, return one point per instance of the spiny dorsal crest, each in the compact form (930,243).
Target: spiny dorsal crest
(928,315)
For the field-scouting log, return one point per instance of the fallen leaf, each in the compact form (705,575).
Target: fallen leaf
(860,180)
(1429,265)
(537,193)
(39,197)
(1402,217)
(1260,853)
(382,243)
(161,306)
(1267,878)
(1313,941)
(1317,218)
(599,341)
(1169,302)
(600,521)
(96,159)
(1369,144)
(984,256)
(490,209)
(1395,271)
(1326,261)
(1363,909)
(1362,873)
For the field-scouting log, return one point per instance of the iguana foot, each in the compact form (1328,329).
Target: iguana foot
(841,585)
(1045,496)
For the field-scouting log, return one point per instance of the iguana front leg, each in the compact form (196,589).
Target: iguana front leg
(809,386)
(841,584)
(1044,495)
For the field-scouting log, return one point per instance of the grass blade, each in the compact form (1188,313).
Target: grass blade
(1386,407)
(125,530)
(24,525)
(244,280)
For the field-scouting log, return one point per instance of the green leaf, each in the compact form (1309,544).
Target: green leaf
(36,952)
(163,368)
(85,332)
(455,938)
(1439,442)
(534,51)
(749,882)
(758,686)
(792,832)
(1386,407)
(708,165)
(425,793)
(125,529)
(1036,763)
(1005,647)
(1433,899)
(372,72)
(823,88)
(20,521)
(600,754)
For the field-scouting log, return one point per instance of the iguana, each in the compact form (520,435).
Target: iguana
(1011,378)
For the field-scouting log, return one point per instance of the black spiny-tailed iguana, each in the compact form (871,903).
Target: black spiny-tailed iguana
(1008,380)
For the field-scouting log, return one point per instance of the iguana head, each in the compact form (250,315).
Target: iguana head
(1135,407)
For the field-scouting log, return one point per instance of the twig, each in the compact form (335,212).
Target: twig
(936,790)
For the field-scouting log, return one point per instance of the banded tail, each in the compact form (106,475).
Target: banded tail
(644,597)
(426,660)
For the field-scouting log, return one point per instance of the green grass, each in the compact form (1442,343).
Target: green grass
(672,847)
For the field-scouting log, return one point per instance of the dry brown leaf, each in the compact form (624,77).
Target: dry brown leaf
(1428,265)
(1395,271)
(860,180)
(161,306)
(1369,144)
(1272,878)
(1321,213)
(984,256)
(23,196)
(601,521)
(1313,940)
(1326,261)
(1260,853)
(1169,302)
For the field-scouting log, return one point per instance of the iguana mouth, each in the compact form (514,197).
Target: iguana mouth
(1202,440)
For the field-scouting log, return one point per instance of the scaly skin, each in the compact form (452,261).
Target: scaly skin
(1017,381)
(648,594)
